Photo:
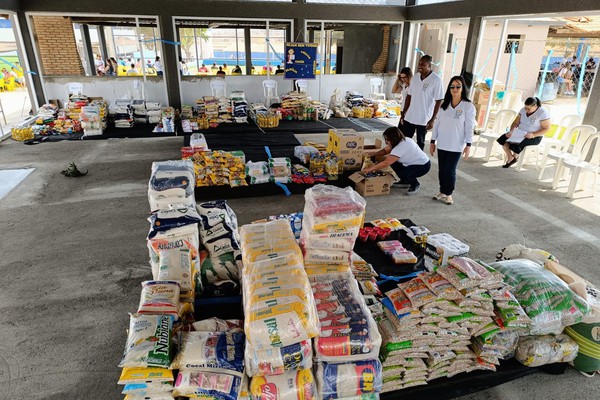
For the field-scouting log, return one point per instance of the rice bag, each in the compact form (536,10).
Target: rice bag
(147,388)
(159,297)
(337,381)
(213,213)
(176,265)
(171,182)
(165,220)
(292,385)
(400,302)
(546,299)
(205,384)
(457,278)
(276,361)
(534,351)
(417,292)
(149,342)
(202,350)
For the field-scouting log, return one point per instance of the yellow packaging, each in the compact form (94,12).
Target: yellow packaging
(292,385)
(327,270)
(337,226)
(280,326)
(136,375)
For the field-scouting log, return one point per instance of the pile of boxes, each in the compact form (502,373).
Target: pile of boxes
(348,145)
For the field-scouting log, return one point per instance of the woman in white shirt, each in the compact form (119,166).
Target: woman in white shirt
(533,122)
(158,66)
(405,157)
(453,131)
(401,85)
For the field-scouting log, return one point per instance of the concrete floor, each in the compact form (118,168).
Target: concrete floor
(73,255)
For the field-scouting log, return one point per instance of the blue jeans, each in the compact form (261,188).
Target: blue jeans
(409,129)
(447,163)
(411,173)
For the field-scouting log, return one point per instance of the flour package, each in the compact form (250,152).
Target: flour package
(337,381)
(149,342)
(159,297)
(171,182)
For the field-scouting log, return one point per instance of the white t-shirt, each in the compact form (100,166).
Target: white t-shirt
(423,95)
(532,123)
(409,153)
(158,66)
(453,127)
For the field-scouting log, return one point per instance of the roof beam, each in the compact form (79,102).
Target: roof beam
(220,8)
(478,8)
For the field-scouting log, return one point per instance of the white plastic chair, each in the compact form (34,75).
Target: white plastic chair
(573,154)
(512,100)
(302,85)
(377,89)
(591,152)
(566,123)
(270,89)
(501,125)
(218,87)
(74,88)
(562,150)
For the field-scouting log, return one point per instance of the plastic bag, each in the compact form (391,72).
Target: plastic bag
(144,374)
(546,299)
(256,169)
(171,182)
(205,384)
(148,388)
(329,203)
(176,265)
(280,167)
(202,350)
(276,361)
(304,153)
(159,297)
(293,385)
(219,325)
(534,351)
(165,220)
(149,342)
(337,381)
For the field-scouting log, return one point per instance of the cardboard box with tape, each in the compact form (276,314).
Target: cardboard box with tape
(372,186)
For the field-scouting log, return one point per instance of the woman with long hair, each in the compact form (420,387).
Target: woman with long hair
(452,135)
(401,85)
(405,157)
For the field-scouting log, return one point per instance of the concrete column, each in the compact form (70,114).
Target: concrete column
(592,111)
(475,24)
(298,35)
(38,89)
(102,40)
(87,49)
(170,61)
(248,51)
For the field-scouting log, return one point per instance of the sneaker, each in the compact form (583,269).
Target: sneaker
(401,185)
(439,196)
(449,200)
(413,190)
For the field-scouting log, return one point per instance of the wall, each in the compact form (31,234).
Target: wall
(56,45)
(110,89)
(362,46)
(527,63)
(319,89)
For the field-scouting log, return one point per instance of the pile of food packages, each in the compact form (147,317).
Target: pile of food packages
(210,111)
(216,167)
(317,324)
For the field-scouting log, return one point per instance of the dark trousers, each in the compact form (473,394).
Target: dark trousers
(447,163)
(411,173)
(409,129)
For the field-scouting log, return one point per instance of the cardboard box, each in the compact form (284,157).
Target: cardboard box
(352,160)
(372,186)
(480,111)
(441,247)
(481,97)
(344,140)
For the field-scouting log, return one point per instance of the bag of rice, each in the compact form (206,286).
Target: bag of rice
(202,350)
(149,342)
(276,361)
(337,381)
(534,351)
(440,286)
(417,292)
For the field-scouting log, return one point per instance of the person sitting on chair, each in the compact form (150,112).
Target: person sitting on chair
(533,121)
(279,70)
(220,72)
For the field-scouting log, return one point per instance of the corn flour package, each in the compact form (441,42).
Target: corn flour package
(149,342)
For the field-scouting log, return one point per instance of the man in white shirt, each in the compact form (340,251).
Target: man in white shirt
(423,100)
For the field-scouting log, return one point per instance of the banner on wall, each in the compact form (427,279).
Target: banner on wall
(300,60)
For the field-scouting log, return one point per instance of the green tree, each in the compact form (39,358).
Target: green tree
(186,37)
(147,33)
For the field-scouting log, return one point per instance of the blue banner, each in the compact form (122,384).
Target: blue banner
(300,60)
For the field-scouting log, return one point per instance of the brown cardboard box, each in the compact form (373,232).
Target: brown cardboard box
(372,186)
(480,114)
(481,97)
(342,140)
(352,160)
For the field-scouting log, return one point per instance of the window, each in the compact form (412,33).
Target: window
(516,41)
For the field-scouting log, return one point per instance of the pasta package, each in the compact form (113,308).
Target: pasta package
(149,342)
(293,385)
